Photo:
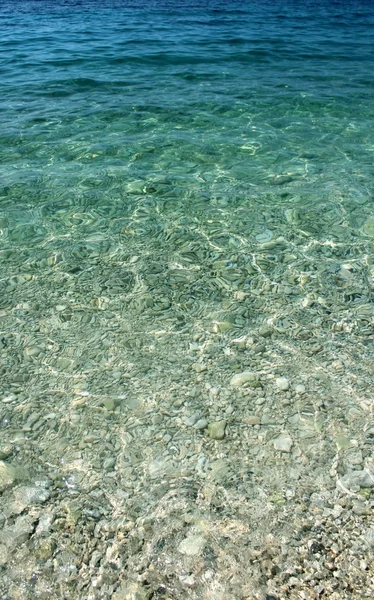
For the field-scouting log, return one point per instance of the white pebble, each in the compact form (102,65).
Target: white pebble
(282,383)
(192,545)
(283,444)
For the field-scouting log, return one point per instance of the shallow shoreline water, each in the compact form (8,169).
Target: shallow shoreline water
(186,301)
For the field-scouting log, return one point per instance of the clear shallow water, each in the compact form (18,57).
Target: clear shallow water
(186,193)
(139,122)
(212,101)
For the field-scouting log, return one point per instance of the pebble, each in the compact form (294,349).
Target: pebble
(44,549)
(252,420)
(217,430)
(246,378)
(63,363)
(369,538)
(199,367)
(192,419)
(44,524)
(27,496)
(7,475)
(188,580)
(202,465)
(201,424)
(109,404)
(136,187)
(259,349)
(357,479)
(265,331)
(283,444)
(192,545)
(8,399)
(130,590)
(17,533)
(267,419)
(264,236)
(109,463)
(368,226)
(282,383)
(342,441)
(160,467)
(222,326)
(5,451)
(3,555)
(220,470)
(33,351)
(360,508)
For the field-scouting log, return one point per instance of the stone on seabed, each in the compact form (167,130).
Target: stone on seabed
(362,479)
(283,444)
(7,475)
(130,590)
(246,378)
(217,430)
(282,383)
(192,545)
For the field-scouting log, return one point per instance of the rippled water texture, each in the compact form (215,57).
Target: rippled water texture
(186,193)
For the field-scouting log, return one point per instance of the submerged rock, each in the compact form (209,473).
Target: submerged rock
(246,378)
(217,430)
(160,467)
(282,383)
(131,590)
(283,444)
(357,479)
(8,475)
(3,555)
(192,545)
(27,496)
(5,451)
(220,470)
(14,535)
(368,227)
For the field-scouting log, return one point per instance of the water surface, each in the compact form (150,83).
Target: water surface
(186,193)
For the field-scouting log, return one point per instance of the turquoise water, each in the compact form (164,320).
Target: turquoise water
(109,107)
(129,126)
(186,193)
(99,94)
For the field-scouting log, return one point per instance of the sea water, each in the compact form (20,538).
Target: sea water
(186,194)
